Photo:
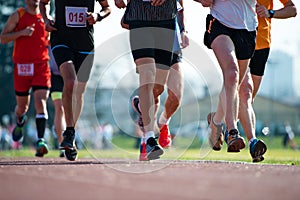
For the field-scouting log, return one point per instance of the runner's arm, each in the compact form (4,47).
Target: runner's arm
(45,10)
(9,34)
(92,18)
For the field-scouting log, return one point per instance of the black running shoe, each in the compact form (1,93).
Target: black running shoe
(17,133)
(257,149)
(154,151)
(71,154)
(61,153)
(68,144)
(135,105)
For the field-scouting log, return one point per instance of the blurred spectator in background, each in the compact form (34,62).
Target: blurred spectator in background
(107,132)
(288,138)
(5,139)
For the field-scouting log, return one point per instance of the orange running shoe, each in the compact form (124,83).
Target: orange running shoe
(234,141)
(216,135)
(165,139)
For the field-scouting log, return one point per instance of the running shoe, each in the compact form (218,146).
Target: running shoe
(41,148)
(61,153)
(257,149)
(143,152)
(135,105)
(68,144)
(216,136)
(17,133)
(153,150)
(234,141)
(165,140)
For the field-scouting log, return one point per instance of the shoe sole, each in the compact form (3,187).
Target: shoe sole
(16,137)
(41,151)
(143,157)
(134,108)
(71,154)
(236,145)
(140,121)
(165,146)
(216,148)
(213,144)
(162,142)
(143,154)
(62,154)
(155,153)
(260,150)
(258,159)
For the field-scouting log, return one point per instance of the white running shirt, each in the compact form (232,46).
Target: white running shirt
(237,14)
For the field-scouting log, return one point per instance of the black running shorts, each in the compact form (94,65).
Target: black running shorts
(243,40)
(57,83)
(83,61)
(258,61)
(154,40)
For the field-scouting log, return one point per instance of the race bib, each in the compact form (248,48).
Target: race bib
(25,69)
(75,16)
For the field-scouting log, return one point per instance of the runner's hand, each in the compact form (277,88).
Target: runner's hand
(120,4)
(28,31)
(91,18)
(205,3)
(49,24)
(262,11)
(185,40)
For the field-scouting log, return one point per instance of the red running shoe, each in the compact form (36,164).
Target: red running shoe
(165,139)
(143,152)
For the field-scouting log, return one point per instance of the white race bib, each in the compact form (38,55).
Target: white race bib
(76,16)
(25,69)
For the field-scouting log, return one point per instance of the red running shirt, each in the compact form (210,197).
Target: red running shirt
(31,49)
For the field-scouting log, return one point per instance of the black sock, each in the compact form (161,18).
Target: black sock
(71,129)
(41,125)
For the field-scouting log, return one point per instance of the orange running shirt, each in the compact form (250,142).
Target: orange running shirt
(31,49)
(263,38)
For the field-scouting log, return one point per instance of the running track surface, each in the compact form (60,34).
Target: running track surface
(55,178)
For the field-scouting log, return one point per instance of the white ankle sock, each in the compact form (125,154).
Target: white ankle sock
(149,134)
(251,140)
(143,140)
(163,119)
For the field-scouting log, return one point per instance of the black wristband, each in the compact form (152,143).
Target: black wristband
(99,17)
(271,13)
